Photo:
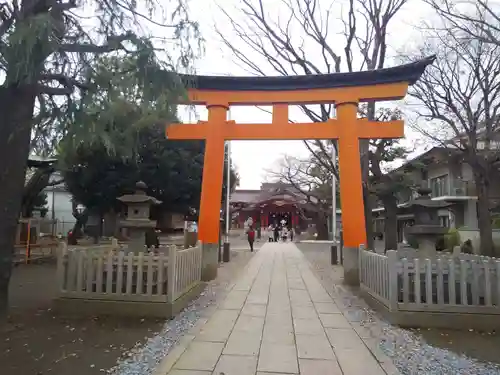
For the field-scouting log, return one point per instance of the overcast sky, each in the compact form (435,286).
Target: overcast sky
(252,158)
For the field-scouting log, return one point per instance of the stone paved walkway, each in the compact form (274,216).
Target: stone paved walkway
(277,319)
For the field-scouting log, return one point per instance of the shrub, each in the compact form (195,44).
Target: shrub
(495,222)
(452,238)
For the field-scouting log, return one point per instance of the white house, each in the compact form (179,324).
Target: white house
(59,205)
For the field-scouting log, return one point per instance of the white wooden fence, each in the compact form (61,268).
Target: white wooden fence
(454,284)
(374,275)
(142,277)
(186,272)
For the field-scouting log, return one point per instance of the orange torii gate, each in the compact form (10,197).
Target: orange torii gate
(345,90)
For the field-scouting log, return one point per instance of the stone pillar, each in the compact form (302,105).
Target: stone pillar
(209,261)
(427,247)
(351,265)
(136,241)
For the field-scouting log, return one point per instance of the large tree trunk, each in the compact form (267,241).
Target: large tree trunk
(484,215)
(364,148)
(391,223)
(16,107)
(367,200)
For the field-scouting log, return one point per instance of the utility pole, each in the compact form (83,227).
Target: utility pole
(334,245)
(226,248)
(334,193)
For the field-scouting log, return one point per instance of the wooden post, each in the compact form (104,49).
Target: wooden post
(28,242)
(361,264)
(171,276)
(18,232)
(61,254)
(213,173)
(392,258)
(351,186)
(79,271)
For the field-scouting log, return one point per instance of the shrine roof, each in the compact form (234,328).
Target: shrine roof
(244,196)
(402,73)
(256,198)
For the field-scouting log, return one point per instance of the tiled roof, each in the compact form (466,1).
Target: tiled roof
(244,196)
(268,192)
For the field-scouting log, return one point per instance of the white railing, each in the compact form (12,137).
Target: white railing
(453,284)
(140,277)
(375,275)
(187,270)
(410,253)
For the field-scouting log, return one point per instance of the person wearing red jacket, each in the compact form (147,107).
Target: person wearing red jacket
(251,236)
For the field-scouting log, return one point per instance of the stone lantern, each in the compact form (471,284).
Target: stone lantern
(137,221)
(427,228)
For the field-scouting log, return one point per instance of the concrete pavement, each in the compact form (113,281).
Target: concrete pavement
(277,319)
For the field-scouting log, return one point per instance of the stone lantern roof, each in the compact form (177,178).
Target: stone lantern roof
(424,200)
(139,197)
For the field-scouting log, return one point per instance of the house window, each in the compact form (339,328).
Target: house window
(440,186)
(494,145)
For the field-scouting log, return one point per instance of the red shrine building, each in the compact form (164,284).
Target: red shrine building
(271,204)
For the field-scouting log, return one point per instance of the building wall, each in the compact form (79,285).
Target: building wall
(457,219)
(59,205)
(438,170)
(470,214)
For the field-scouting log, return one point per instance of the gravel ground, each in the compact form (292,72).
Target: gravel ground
(143,358)
(410,353)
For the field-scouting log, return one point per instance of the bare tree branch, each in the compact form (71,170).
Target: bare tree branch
(474,19)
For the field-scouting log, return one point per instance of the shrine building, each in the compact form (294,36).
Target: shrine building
(271,204)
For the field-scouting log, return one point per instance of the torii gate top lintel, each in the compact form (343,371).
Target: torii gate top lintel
(305,89)
(346,90)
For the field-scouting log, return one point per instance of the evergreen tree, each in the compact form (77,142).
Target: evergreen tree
(49,51)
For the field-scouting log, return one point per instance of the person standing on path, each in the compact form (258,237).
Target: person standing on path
(276,233)
(251,237)
(270,233)
(284,233)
